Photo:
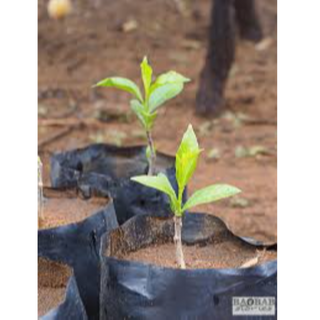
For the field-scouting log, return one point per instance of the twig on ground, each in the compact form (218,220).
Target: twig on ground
(70,122)
(56,136)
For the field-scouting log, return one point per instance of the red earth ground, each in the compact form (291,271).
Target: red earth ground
(91,44)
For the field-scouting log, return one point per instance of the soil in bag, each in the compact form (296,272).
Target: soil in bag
(141,280)
(58,296)
(227,254)
(65,207)
(52,283)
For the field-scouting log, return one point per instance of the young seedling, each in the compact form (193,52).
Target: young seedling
(186,162)
(156,93)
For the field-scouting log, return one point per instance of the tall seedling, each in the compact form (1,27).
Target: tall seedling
(156,93)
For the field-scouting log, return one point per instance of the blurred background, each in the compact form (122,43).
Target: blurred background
(101,38)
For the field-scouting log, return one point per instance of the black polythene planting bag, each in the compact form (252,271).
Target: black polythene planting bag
(71,308)
(106,170)
(77,245)
(138,291)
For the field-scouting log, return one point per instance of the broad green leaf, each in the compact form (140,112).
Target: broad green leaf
(170,77)
(159,182)
(187,157)
(123,84)
(189,142)
(185,167)
(146,73)
(210,194)
(146,118)
(164,93)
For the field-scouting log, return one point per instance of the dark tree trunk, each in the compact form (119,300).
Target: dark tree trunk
(221,50)
(249,25)
(219,58)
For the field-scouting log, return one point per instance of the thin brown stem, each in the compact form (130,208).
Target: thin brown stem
(178,241)
(152,158)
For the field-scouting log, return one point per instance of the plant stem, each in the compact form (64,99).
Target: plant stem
(152,158)
(178,241)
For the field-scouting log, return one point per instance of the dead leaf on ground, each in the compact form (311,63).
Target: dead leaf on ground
(253,151)
(130,25)
(191,44)
(239,202)
(214,154)
(254,261)
(250,263)
(264,44)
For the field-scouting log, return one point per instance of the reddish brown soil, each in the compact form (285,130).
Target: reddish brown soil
(90,44)
(220,255)
(52,282)
(62,208)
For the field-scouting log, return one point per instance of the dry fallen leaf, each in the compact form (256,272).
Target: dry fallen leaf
(254,261)
(264,44)
(239,202)
(42,110)
(256,150)
(205,128)
(253,151)
(182,7)
(191,44)
(214,154)
(233,118)
(98,137)
(241,152)
(130,25)
(116,137)
(250,263)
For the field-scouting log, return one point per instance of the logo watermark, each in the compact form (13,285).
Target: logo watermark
(253,306)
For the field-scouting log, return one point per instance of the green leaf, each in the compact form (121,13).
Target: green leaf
(210,194)
(166,87)
(146,73)
(159,182)
(123,84)
(170,77)
(189,142)
(147,119)
(164,93)
(187,157)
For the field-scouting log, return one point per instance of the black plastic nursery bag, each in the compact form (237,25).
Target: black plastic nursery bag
(106,170)
(77,245)
(138,291)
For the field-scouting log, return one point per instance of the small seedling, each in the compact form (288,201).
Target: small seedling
(156,93)
(186,162)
